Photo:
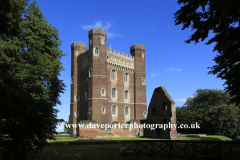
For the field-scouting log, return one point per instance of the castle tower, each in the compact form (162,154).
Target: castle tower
(107,86)
(77,49)
(140,106)
(97,81)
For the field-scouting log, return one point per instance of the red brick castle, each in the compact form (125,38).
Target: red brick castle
(106,86)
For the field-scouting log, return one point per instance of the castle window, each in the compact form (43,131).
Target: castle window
(107,57)
(90,110)
(164,106)
(102,91)
(113,75)
(142,55)
(86,94)
(114,93)
(72,80)
(143,80)
(113,109)
(125,77)
(96,50)
(126,94)
(90,72)
(144,114)
(77,97)
(126,111)
(103,110)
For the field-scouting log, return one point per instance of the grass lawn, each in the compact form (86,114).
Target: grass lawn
(105,152)
(89,152)
(64,137)
(209,137)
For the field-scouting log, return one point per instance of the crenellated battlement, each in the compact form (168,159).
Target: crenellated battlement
(97,31)
(120,59)
(76,44)
(141,46)
(120,54)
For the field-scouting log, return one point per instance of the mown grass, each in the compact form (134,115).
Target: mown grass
(209,137)
(105,152)
(89,152)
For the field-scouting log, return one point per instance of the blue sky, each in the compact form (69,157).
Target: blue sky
(181,68)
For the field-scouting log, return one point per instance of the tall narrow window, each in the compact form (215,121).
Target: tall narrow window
(103,110)
(125,77)
(114,93)
(113,109)
(72,80)
(126,94)
(143,80)
(113,75)
(102,91)
(126,111)
(96,50)
(90,72)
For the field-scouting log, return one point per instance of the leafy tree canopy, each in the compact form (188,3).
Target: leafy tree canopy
(223,18)
(214,110)
(29,84)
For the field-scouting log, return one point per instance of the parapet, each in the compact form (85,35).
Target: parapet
(76,44)
(141,46)
(120,54)
(97,31)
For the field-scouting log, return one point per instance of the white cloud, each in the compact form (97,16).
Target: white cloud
(113,35)
(100,24)
(173,70)
(97,24)
(154,75)
(181,100)
(184,99)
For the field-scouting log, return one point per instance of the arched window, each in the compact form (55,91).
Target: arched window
(126,94)
(113,109)
(103,110)
(107,57)
(96,50)
(102,92)
(126,111)
(143,80)
(114,93)
(86,94)
(113,75)
(90,72)
(125,77)
(72,80)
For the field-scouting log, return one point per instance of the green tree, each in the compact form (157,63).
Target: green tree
(66,129)
(215,112)
(29,84)
(222,17)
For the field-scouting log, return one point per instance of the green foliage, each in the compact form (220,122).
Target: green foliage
(29,85)
(221,17)
(213,110)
